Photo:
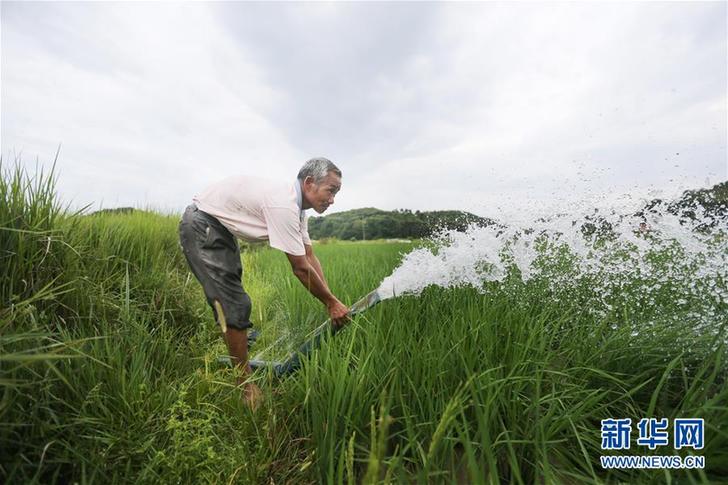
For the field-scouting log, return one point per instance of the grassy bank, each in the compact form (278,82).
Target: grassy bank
(108,368)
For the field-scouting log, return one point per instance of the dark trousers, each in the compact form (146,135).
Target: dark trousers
(214,258)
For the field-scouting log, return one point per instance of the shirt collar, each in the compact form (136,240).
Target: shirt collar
(299,196)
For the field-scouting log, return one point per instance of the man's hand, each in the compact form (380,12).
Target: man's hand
(338,312)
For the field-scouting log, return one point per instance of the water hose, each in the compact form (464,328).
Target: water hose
(321,333)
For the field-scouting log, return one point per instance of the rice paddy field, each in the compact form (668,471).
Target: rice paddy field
(109,371)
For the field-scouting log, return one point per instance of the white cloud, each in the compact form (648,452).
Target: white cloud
(423,105)
(164,121)
(559,93)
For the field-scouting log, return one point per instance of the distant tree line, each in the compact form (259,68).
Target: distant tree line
(371,223)
(116,210)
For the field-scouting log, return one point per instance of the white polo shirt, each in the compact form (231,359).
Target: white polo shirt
(256,209)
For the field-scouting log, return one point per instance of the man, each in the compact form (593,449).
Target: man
(255,209)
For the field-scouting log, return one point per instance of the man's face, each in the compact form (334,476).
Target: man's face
(320,196)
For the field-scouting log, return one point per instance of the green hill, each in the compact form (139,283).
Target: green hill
(371,223)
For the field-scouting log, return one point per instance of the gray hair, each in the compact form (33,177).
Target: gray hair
(318,168)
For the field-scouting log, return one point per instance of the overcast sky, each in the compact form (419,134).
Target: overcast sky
(481,107)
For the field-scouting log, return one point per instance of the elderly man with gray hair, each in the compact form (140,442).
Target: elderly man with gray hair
(255,209)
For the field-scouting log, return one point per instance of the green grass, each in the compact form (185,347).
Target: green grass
(108,367)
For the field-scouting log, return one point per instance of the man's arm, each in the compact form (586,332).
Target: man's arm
(307,274)
(314,262)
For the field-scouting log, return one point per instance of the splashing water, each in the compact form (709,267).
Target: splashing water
(656,256)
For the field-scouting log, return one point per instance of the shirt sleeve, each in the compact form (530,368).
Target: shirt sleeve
(284,230)
(304,231)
